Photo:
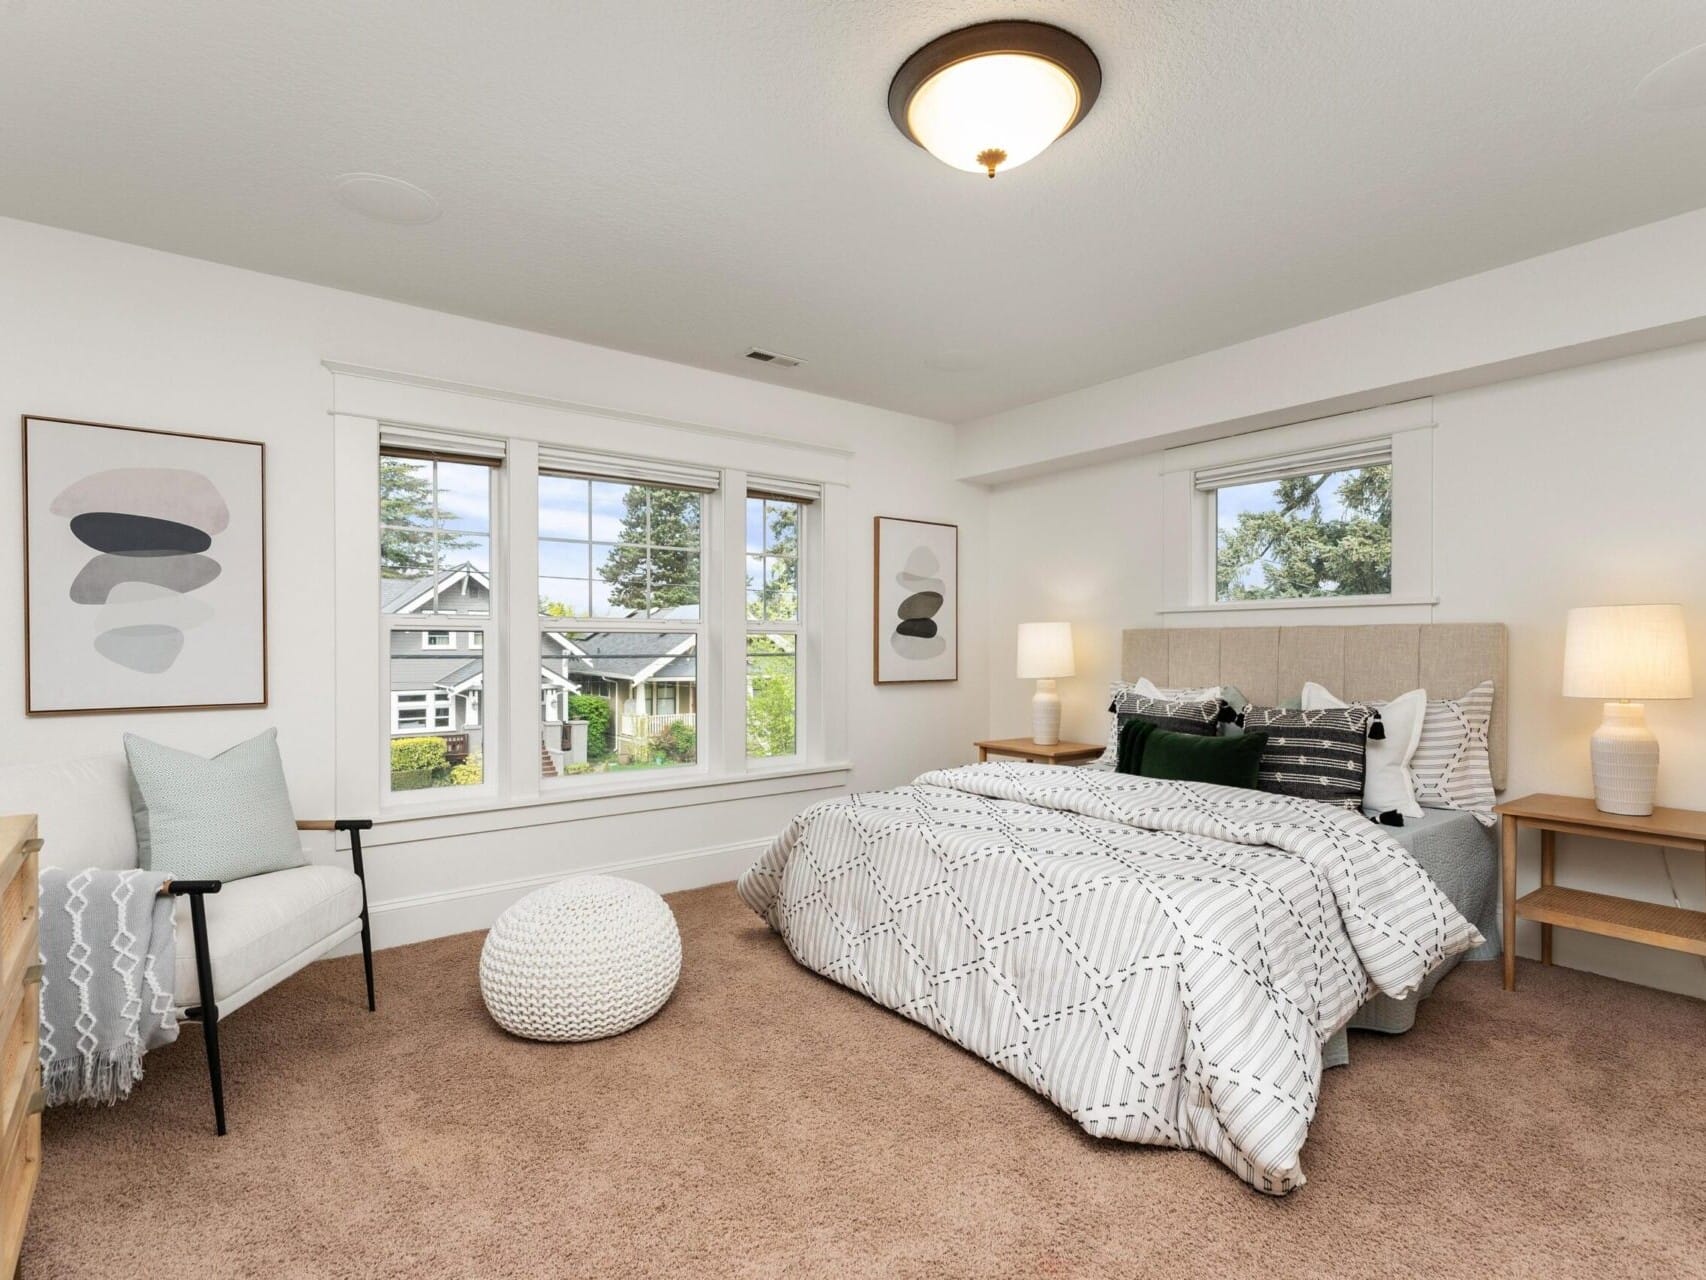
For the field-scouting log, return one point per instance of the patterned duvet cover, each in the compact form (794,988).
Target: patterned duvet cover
(1162,960)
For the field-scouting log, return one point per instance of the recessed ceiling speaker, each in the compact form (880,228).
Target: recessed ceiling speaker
(1677,85)
(386,199)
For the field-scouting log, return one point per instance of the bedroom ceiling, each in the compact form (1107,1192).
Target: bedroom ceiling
(689,180)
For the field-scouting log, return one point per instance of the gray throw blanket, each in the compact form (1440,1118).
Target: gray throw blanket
(108,968)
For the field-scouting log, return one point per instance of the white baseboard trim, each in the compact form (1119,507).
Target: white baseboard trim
(435,915)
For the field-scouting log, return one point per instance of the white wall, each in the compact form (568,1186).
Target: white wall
(96,330)
(1575,487)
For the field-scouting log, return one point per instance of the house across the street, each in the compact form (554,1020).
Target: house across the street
(648,678)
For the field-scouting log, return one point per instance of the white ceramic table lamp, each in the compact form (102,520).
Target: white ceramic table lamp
(1045,655)
(1626,653)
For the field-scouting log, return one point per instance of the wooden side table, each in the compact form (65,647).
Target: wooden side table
(1036,753)
(1551,904)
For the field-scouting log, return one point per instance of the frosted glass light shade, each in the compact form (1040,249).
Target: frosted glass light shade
(1014,103)
(1045,650)
(1627,651)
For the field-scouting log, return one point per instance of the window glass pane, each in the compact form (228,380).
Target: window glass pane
(675,584)
(610,509)
(617,701)
(435,524)
(1328,534)
(464,497)
(562,559)
(436,697)
(771,695)
(781,527)
(781,593)
(564,598)
(755,525)
(563,508)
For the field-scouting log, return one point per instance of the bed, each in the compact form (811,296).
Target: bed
(1170,963)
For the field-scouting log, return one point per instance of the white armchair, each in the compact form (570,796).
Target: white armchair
(234,939)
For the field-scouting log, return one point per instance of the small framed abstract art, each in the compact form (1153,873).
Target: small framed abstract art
(915,620)
(144,570)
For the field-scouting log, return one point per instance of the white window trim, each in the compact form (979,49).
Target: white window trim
(428,640)
(1188,529)
(365,398)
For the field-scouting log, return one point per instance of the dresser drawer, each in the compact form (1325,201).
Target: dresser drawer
(18,911)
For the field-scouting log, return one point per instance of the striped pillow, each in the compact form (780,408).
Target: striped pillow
(1313,755)
(1450,766)
(1200,716)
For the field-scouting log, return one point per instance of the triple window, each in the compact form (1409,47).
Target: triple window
(626,614)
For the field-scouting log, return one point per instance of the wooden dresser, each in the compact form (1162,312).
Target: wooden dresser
(20,1016)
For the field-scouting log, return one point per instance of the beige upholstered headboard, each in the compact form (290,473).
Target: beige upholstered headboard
(1270,664)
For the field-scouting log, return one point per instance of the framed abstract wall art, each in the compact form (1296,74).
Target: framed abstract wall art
(144,569)
(915,628)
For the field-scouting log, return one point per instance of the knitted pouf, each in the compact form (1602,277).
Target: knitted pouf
(583,958)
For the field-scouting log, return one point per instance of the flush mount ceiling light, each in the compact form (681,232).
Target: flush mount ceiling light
(993,96)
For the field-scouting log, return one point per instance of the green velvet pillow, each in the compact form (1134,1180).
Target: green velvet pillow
(1185,757)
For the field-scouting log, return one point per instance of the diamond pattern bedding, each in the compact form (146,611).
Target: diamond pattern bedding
(1162,960)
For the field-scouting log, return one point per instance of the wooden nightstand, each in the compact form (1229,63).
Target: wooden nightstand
(1647,922)
(1025,749)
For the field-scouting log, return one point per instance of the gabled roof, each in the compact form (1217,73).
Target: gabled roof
(407,595)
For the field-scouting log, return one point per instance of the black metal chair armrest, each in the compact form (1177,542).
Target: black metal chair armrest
(177,888)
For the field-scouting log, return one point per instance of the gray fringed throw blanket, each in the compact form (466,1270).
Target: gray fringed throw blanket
(108,968)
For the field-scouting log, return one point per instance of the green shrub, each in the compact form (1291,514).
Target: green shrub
(413,779)
(575,770)
(678,741)
(600,736)
(410,754)
(470,773)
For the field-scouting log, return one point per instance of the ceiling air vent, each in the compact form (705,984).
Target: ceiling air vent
(774,357)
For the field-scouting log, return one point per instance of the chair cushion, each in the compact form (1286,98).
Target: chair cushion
(219,819)
(82,807)
(256,924)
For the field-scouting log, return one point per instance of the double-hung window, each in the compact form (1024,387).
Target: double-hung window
(621,613)
(435,579)
(558,623)
(775,524)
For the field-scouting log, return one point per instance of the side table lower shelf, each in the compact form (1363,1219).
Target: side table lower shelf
(1672,927)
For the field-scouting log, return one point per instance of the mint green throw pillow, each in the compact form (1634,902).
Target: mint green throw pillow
(219,819)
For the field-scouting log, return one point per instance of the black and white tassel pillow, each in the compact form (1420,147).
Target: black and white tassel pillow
(1313,755)
(1199,716)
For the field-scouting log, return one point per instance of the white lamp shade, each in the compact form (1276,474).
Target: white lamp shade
(1627,651)
(1045,650)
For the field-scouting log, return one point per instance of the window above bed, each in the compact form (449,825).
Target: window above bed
(1330,513)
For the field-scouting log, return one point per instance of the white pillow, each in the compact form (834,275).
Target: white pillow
(1387,784)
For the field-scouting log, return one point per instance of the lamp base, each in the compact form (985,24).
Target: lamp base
(1045,715)
(1625,761)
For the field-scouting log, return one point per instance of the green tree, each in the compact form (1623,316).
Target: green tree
(1300,550)
(409,518)
(656,565)
(770,698)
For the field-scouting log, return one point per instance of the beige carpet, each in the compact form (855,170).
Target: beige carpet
(768,1123)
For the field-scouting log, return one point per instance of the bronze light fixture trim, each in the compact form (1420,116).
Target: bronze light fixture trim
(994,94)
